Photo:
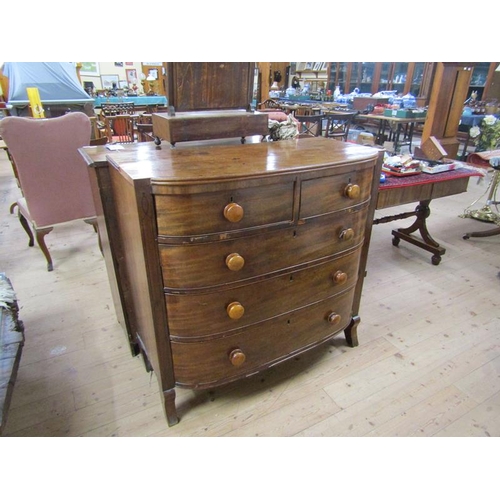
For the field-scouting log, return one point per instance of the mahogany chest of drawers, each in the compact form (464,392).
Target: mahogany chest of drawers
(225,260)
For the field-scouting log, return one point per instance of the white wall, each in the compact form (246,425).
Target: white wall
(110,68)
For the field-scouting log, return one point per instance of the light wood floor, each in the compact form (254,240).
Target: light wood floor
(428,363)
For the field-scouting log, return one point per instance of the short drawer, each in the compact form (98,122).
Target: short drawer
(205,364)
(236,307)
(231,261)
(223,211)
(335,192)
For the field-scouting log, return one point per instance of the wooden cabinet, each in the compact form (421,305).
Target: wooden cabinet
(363,77)
(229,259)
(372,77)
(340,76)
(482,79)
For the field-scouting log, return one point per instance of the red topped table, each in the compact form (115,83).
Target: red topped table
(421,188)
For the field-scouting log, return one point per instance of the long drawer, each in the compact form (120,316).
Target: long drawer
(204,265)
(235,307)
(205,364)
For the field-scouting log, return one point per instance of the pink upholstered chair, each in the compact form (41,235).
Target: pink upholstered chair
(52,174)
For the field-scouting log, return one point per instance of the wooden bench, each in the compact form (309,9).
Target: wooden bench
(11,346)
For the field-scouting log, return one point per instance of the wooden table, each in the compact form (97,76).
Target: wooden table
(421,188)
(399,123)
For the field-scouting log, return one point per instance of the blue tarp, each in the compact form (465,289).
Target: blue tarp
(57,82)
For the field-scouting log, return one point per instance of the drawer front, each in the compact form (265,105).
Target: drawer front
(237,307)
(335,192)
(199,364)
(210,264)
(223,211)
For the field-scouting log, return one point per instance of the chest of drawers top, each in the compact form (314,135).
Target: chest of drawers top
(206,164)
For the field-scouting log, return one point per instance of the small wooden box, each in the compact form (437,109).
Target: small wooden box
(433,149)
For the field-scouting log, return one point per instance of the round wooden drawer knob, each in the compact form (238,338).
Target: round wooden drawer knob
(347,234)
(334,318)
(235,262)
(352,191)
(237,357)
(235,310)
(340,277)
(233,212)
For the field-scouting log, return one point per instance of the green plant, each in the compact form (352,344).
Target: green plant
(486,136)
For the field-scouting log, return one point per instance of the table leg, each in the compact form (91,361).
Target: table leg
(410,134)
(396,137)
(380,133)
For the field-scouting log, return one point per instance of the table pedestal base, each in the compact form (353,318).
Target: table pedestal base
(427,243)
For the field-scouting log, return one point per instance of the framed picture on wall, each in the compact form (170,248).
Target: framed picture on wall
(108,80)
(131,76)
(317,66)
(89,69)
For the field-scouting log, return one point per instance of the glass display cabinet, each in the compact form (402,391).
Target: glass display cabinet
(481,79)
(339,76)
(416,78)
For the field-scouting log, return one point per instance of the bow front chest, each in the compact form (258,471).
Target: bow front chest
(225,260)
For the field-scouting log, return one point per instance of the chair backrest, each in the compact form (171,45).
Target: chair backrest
(269,104)
(152,108)
(119,128)
(338,124)
(304,111)
(310,126)
(144,118)
(118,108)
(52,174)
(145,132)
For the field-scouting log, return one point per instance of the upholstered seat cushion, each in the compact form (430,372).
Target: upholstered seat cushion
(278,116)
